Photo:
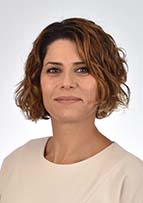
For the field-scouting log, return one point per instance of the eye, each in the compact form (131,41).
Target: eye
(84,70)
(57,70)
(53,70)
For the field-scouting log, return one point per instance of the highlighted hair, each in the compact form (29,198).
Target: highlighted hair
(106,62)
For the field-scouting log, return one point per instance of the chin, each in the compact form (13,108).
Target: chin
(67,118)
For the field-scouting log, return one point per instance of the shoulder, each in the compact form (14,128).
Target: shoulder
(133,168)
(128,161)
(129,157)
(24,151)
(130,169)
(19,159)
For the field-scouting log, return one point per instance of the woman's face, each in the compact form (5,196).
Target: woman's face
(65,74)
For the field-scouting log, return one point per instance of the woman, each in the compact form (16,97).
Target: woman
(74,74)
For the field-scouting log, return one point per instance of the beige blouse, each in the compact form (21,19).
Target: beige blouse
(112,176)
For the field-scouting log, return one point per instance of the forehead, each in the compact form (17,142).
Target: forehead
(62,49)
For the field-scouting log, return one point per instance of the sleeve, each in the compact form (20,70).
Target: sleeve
(3,176)
(8,167)
(132,190)
(10,164)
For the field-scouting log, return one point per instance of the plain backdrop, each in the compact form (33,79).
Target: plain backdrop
(22,21)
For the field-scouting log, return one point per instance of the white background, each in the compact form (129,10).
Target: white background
(22,21)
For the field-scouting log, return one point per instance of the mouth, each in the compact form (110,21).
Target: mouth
(67,100)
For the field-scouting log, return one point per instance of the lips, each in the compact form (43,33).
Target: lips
(67,98)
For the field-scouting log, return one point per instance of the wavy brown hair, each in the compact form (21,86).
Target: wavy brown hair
(106,62)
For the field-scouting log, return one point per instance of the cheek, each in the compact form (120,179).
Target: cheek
(46,86)
(43,85)
(92,94)
(91,89)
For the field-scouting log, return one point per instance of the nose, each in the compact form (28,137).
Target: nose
(68,81)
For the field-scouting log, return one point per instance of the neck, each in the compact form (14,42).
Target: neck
(74,141)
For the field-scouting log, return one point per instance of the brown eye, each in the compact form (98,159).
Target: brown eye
(53,70)
(84,70)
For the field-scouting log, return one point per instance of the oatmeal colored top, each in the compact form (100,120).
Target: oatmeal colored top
(112,176)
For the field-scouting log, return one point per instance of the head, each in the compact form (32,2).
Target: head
(95,48)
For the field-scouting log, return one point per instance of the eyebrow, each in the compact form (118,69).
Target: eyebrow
(59,63)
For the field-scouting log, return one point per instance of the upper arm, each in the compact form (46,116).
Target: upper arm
(132,188)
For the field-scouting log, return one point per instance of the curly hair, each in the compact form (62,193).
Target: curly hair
(100,53)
